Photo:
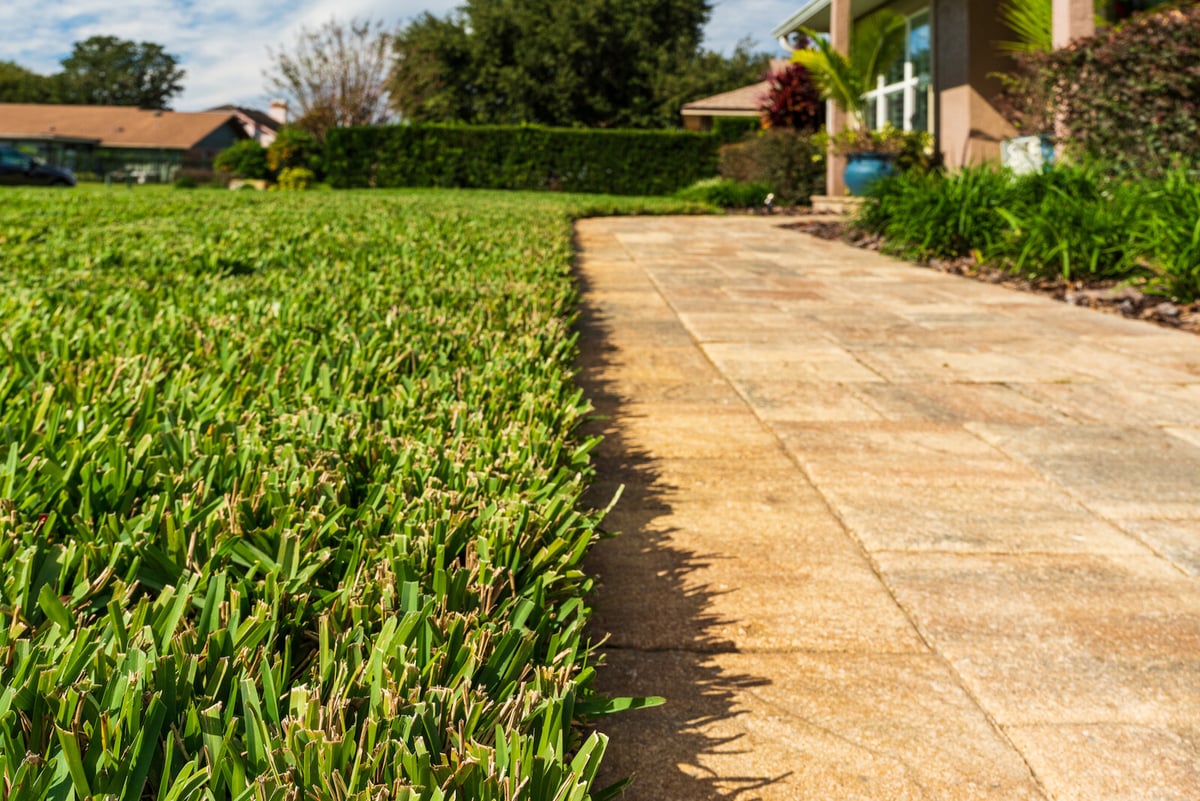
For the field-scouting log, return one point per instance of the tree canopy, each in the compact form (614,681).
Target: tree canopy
(602,63)
(102,70)
(108,71)
(335,75)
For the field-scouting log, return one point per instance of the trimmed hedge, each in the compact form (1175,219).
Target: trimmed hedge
(519,157)
(1130,95)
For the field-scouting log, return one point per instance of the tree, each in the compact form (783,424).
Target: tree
(601,63)
(20,85)
(108,71)
(336,75)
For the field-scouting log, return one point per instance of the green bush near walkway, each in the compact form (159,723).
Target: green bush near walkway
(289,491)
(1073,222)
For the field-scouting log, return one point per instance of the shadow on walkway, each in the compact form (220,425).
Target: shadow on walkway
(661,638)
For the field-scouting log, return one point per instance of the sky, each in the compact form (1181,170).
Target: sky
(223,44)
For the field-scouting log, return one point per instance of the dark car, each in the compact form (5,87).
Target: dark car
(19,168)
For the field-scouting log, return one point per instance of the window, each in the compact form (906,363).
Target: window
(902,96)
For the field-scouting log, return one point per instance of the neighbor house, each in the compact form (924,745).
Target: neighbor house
(745,101)
(152,145)
(948,80)
(262,126)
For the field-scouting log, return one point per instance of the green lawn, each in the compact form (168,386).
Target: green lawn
(288,496)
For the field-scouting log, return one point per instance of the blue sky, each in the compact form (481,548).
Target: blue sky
(223,43)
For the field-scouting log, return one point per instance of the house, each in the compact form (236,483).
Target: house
(106,139)
(743,102)
(259,125)
(947,80)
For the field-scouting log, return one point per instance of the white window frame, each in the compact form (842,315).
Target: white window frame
(907,85)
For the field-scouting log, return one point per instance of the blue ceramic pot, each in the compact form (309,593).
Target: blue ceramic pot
(864,169)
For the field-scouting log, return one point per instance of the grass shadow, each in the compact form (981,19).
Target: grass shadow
(661,637)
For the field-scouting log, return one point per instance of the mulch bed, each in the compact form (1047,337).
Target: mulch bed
(1109,296)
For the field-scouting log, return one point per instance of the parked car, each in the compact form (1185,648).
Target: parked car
(19,168)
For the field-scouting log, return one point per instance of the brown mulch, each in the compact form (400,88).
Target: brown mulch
(1110,296)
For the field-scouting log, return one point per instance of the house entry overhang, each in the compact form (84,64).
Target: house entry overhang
(815,15)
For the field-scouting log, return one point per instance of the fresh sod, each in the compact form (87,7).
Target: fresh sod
(289,497)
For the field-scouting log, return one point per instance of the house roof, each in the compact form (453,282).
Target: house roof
(110,126)
(260,117)
(742,102)
(814,14)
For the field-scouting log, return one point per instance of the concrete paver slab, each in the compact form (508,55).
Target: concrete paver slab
(886,533)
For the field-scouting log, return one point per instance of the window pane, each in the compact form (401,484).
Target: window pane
(920,120)
(918,45)
(895,108)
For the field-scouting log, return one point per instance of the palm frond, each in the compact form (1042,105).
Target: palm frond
(1032,21)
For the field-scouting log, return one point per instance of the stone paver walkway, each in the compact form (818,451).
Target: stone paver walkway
(886,533)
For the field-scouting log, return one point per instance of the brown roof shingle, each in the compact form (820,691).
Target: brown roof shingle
(110,126)
(746,100)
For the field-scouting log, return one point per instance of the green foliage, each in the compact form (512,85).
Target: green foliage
(1073,222)
(735,129)
(1130,96)
(296,179)
(1169,236)
(519,157)
(186,182)
(20,85)
(724,193)
(791,163)
(1032,21)
(289,498)
(876,42)
(108,71)
(294,147)
(594,63)
(927,215)
(244,159)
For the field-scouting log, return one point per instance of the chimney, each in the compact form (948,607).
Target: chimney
(279,111)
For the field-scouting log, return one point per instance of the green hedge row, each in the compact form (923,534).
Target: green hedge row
(519,157)
(1144,116)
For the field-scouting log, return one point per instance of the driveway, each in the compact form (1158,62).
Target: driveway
(886,533)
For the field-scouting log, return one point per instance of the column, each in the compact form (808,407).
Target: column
(835,118)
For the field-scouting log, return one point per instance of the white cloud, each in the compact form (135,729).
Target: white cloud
(223,44)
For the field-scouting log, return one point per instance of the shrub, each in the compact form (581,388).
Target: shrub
(1170,235)
(790,162)
(519,157)
(725,193)
(793,101)
(1130,95)
(735,129)
(185,182)
(925,215)
(244,159)
(296,178)
(1070,221)
(294,147)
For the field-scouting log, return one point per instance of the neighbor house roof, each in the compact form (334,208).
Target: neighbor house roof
(110,126)
(261,117)
(743,102)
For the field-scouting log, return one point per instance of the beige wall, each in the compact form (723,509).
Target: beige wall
(969,129)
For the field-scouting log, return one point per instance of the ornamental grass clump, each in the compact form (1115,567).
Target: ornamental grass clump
(289,499)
